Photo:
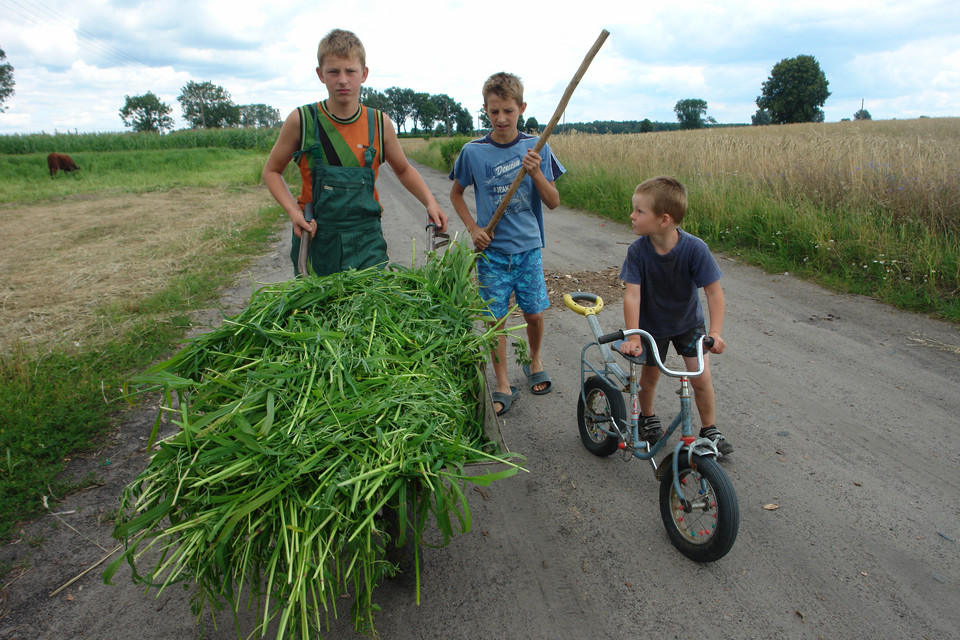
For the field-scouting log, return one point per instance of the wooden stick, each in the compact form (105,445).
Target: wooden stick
(86,571)
(549,128)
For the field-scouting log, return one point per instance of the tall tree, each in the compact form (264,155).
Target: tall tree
(146,113)
(6,80)
(207,106)
(795,91)
(402,106)
(259,115)
(464,120)
(446,111)
(761,117)
(532,125)
(690,112)
(375,100)
(424,111)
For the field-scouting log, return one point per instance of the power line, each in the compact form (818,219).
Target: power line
(39,14)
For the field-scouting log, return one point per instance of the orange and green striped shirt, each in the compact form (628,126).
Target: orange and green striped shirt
(344,144)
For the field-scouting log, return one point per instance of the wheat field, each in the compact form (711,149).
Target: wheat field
(906,169)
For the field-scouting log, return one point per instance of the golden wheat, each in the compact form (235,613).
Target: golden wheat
(907,169)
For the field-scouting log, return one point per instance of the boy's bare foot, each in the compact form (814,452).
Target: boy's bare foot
(505,400)
(539,381)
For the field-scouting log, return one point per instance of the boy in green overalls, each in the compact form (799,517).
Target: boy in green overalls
(339,145)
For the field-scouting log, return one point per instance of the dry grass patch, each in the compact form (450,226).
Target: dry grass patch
(66,261)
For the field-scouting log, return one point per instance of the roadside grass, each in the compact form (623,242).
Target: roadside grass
(871,208)
(27,179)
(58,398)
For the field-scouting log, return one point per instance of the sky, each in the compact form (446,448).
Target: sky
(76,61)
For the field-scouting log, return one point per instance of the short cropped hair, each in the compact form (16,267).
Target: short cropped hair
(345,44)
(503,85)
(667,195)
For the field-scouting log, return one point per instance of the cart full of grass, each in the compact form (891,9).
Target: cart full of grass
(323,405)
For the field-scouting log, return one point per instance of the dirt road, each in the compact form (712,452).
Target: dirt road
(841,411)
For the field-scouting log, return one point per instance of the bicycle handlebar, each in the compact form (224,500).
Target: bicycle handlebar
(572,301)
(702,342)
(611,337)
(620,335)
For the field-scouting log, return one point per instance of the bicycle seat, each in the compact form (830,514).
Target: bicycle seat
(640,359)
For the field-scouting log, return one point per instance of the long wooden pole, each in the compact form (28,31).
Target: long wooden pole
(549,128)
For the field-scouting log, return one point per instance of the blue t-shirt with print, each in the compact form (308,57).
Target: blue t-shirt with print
(670,284)
(491,167)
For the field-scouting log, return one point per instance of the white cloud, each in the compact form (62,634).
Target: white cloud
(75,61)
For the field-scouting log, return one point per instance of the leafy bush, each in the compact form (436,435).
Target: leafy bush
(450,149)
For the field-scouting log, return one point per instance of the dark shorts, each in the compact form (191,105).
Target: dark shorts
(685,344)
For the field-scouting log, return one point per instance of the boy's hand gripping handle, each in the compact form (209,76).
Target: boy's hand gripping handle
(304,243)
(435,238)
(618,335)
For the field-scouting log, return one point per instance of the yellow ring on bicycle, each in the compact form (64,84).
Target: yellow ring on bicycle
(582,310)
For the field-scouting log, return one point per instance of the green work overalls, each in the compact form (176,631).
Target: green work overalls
(349,234)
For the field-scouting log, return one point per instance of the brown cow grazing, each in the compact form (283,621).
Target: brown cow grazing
(61,162)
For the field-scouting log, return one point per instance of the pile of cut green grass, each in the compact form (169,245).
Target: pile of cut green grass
(303,421)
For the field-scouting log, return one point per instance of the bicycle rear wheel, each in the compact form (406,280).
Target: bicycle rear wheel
(603,402)
(702,522)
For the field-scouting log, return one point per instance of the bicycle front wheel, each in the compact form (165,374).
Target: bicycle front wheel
(603,403)
(703,521)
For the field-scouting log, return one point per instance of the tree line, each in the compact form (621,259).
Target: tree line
(205,106)
(795,91)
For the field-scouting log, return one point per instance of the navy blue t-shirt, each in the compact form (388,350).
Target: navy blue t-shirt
(670,284)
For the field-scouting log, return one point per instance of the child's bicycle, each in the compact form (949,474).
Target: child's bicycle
(697,502)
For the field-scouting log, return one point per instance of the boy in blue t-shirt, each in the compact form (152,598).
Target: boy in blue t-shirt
(511,260)
(668,267)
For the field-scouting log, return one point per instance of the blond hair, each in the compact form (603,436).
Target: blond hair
(505,86)
(667,195)
(342,43)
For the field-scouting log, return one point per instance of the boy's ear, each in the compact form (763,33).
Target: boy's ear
(523,106)
(666,220)
(366,71)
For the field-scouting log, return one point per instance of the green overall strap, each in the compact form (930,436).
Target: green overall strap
(372,116)
(316,149)
(335,145)
(331,138)
(328,143)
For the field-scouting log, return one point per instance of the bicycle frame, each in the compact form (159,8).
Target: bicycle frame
(628,434)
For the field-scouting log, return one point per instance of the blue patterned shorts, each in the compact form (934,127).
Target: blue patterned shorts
(521,274)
